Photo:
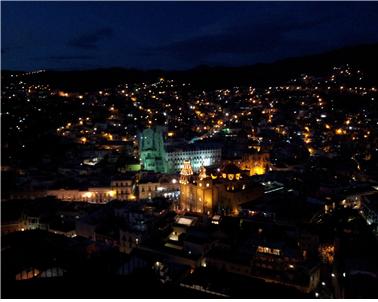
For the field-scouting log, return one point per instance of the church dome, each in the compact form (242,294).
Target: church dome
(231,172)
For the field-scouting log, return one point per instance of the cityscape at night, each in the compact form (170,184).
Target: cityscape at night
(189,150)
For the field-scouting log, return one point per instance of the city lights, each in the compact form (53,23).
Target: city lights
(177,152)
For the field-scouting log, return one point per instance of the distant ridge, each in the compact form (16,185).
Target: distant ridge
(363,56)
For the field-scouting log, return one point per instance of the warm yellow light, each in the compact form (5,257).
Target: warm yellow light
(327,126)
(311,151)
(63,94)
(87,194)
(257,148)
(111,193)
(170,134)
(257,171)
(339,131)
(83,140)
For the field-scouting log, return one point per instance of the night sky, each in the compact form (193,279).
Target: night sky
(173,35)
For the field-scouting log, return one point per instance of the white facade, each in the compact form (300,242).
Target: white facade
(158,157)
(198,158)
(119,189)
(158,189)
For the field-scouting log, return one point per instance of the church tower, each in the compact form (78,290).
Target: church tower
(186,172)
(202,173)
(185,188)
(152,152)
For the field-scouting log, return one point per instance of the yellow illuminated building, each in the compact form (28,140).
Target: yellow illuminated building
(222,191)
(256,164)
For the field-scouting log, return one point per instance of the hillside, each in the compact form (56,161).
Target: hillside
(363,56)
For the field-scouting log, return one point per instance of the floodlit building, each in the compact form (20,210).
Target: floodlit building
(119,189)
(256,164)
(152,153)
(156,156)
(222,191)
(92,195)
(199,155)
(151,186)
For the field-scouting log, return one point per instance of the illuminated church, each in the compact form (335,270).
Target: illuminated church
(156,156)
(219,191)
(256,164)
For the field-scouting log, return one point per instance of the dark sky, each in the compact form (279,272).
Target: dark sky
(174,35)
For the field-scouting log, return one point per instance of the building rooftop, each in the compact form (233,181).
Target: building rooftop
(231,169)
